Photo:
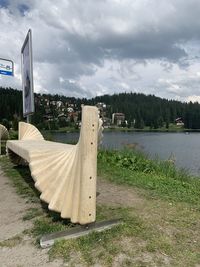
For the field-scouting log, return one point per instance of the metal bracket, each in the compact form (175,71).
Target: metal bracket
(78,231)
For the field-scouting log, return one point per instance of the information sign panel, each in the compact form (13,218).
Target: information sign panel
(6,67)
(27,76)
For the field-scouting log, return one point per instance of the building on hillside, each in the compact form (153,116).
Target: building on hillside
(106,122)
(179,121)
(101,105)
(102,109)
(53,103)
(59,104)
(70,110)
(62,116)
(72,105)
(46,101)
(48,117)
(118,119)
(73,117)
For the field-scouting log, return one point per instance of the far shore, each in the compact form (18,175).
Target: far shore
(125,129)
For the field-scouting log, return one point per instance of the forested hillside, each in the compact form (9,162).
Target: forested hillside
(149,110)
(143,110)
(10,103)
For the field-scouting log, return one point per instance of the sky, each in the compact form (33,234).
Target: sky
(95,47)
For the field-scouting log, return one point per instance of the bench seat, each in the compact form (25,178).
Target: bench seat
(24,148)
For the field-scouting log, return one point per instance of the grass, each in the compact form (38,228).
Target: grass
(13,134)
(103,246)
(32,213)
(160,178)
(21,179)
(3,147)
(172,128)
(163,229)
(11,242)
(141,240)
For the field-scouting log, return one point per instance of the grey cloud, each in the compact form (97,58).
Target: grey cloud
(75,90)
(23,8)
(4,3)
(74,39)
(146,47)
(93,43)
(180,88)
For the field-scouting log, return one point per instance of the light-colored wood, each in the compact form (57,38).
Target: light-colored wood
(29,132)
(64,174)
(4,135)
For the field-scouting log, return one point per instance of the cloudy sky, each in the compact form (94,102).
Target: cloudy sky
(95,47)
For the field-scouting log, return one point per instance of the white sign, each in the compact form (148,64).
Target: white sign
(27,76)
(6,67)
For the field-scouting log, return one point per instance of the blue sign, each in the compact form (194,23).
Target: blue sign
(6,73)
(6,67)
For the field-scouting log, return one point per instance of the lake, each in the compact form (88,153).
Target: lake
(183,147)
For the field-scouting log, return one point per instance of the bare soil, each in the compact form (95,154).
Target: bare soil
(117,195)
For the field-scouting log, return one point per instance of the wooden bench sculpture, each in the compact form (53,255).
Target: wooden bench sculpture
(64,174)
(4,135)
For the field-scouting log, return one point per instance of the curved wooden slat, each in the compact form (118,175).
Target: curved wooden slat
(28,131)
(4,135)
(100,131)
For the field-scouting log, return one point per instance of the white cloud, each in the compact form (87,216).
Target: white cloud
(93,47)
(193,98)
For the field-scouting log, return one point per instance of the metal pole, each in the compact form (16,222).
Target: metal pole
(28,119)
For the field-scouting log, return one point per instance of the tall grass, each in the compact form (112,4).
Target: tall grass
(161,177)
(137,161)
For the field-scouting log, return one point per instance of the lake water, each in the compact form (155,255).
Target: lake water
(183,147)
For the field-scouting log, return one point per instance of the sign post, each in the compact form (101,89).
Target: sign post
(27,77)
(6,68)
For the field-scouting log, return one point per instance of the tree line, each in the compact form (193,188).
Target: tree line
(152,111)
(139,109)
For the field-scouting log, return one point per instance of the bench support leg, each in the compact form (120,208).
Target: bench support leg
(75,232)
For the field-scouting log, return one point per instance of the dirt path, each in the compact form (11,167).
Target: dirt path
(12,209)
